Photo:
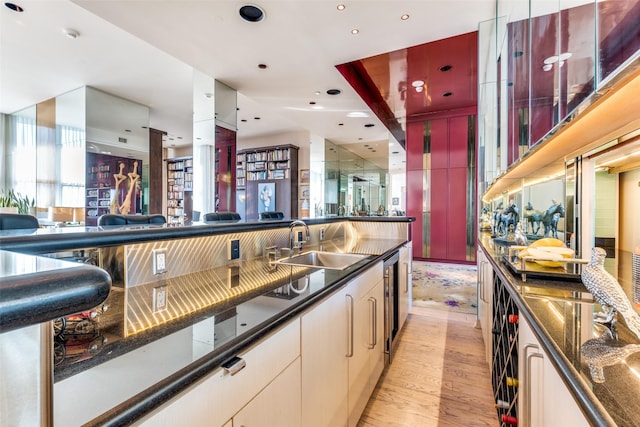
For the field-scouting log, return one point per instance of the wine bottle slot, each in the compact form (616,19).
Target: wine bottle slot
(501,404)
(512,382)
(509,420)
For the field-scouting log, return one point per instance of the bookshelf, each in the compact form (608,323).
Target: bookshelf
(179,188)
(277,165)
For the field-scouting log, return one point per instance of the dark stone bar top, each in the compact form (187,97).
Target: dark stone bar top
(45,240)
(560,313)
(36,289)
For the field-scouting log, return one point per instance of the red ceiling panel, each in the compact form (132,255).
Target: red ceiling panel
(389,78)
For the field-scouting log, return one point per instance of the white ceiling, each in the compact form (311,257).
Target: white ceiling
(146,51)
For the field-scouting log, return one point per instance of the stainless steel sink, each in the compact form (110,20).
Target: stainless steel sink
(318,259)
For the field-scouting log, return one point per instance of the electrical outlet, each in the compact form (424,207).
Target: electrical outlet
(159,261)
(160,295)
(233,250)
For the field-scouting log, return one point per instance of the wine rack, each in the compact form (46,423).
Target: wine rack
(504,370)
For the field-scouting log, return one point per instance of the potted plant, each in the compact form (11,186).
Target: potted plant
(14,202)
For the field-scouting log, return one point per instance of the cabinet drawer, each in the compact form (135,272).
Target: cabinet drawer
(215,399)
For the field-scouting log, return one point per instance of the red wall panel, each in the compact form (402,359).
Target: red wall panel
(414,209)
(457,215)
(458,131)
(415,145)
(439,144)
(439,207)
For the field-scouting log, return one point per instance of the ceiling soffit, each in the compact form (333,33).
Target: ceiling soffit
(418,82)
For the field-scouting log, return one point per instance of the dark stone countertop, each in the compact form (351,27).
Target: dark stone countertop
(46,240)
(560,313)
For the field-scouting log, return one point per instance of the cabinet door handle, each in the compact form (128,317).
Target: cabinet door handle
(372,327)
(349,326)
(405,267)
(234,365)
(527,379)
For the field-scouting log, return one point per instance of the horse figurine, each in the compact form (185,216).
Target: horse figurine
(550,219)
(504,218)
(533,219)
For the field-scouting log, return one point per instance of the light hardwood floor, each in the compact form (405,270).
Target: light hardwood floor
(438,376)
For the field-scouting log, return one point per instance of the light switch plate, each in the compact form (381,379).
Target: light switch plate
(233,251)
(159,261)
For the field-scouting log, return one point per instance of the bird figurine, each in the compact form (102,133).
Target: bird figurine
(609,294)
(602,352)
(519,237)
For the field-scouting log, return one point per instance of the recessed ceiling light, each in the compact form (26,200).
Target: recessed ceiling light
(173,145)
(355,31)
(359,139)
(208,95)
(312,102)
(179,137)
(251,13)
(369,125)
(334,92)
(262,66)
(127,130)
(395,152)
(256,118)
(243,120)
(14,7)
(373,151)
(341,7)
(340,124)
(318,93)
(357,114)
(405,17)
(198,139)
(447,94)
(417,83)
(71,33)
(445,68)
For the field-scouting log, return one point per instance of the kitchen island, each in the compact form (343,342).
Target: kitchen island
(164,334)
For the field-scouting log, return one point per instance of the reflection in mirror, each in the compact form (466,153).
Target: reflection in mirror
(354,186)
(19,147)
(117,157)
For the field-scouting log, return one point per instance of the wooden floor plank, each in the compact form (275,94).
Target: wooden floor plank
(438,376)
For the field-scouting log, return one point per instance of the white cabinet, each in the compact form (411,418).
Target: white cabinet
(324,363)
(277,405)
(404,283)
(366,340)
(214,400)
(543,399)
(343,352)
(485,302)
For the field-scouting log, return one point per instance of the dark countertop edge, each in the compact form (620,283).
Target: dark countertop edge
(111,236)
(38,297)
(589,404)
(153,397)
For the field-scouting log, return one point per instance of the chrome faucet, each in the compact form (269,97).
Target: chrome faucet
(294,224)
